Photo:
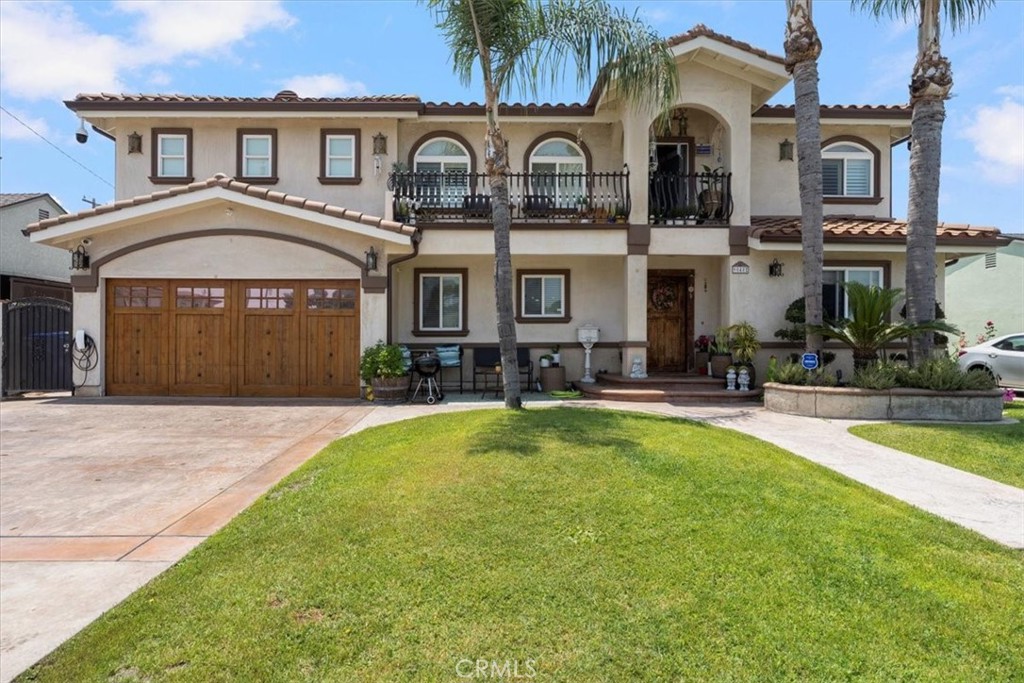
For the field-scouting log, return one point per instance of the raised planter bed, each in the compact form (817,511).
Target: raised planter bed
(847,403)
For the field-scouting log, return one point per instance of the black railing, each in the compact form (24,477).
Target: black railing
(690,198)
(429,197)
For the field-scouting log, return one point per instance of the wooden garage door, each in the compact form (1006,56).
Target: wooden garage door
(233,338)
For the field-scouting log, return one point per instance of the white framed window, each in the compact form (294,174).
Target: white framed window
(847,170)
(339,156)
(257,156)
(557,170)
(442,166)
(834,302)
(440,301)
(172,155)
(542,296)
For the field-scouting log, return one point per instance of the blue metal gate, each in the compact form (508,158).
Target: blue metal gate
(37,345)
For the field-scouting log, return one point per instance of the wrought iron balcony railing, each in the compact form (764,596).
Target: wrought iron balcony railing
(433,197)
(690,198)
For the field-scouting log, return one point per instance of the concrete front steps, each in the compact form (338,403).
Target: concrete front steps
(667,387)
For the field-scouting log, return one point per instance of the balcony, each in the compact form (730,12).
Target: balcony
(690,198)
(459,197)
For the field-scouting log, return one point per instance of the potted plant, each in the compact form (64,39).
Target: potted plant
(402,210)
(721,353)
(545,360)
(381,367)
(556,357)
(744,345)
(621,216)
(702,353)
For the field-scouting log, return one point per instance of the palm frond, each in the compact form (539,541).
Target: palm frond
(959,14)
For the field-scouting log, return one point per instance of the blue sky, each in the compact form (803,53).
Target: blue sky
(51,51)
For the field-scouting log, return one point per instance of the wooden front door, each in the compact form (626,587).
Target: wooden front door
(233,338)
(669,320)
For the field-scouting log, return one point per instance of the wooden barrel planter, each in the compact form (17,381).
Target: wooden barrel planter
(390,389)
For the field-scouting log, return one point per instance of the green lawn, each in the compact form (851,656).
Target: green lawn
(993,451)
(587,545)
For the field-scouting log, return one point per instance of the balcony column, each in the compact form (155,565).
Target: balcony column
(635,290)
(635,151)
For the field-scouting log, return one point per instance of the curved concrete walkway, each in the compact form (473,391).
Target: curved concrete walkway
(101,495)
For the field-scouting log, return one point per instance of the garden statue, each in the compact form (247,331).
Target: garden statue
(730,379)
(637,372)
(744,379)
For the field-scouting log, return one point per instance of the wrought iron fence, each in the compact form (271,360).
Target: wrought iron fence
(428,197)
(690,198)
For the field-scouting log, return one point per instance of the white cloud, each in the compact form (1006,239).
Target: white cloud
(1012,91)
(49,52)
(10,129)
(888,77)
(997,133)
(324,85)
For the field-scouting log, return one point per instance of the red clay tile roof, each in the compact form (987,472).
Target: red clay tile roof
(283,96)
(866,229)
(841,111)
(700,30)
(222,180)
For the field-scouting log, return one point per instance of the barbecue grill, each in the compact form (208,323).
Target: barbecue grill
(427,368)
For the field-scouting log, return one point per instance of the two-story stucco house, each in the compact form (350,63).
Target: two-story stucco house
(256,244)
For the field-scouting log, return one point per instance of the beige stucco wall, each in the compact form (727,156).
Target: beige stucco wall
(18,255)
(595,297)
(774,186)
(575,240)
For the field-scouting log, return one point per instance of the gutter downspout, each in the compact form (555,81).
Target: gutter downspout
(416,238)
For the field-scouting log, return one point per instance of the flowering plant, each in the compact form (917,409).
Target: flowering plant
(988,333)
(702,343)
(1009,396)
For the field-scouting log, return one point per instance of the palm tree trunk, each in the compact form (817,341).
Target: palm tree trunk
(802,49)
(929,88)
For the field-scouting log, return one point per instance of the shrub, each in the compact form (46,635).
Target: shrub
(879,376)
(381,360)
(943,374)
(793,373)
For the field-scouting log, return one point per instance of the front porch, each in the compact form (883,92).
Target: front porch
(667,387)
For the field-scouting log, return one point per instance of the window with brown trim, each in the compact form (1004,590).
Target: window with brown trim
(441,304)
(542,296)
(340,156)
(835,273)
(256,159)
(851,171)
(172,156)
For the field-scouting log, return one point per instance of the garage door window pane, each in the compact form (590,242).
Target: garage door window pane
(330,298)
(138,297)
(269,297)
(199,297)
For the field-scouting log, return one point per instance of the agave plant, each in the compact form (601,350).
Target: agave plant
(869,327)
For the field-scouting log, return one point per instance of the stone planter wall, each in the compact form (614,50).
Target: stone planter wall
(843,403)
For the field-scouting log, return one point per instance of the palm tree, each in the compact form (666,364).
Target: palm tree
(802,50)
(930,85)
(521,43)
(869,327)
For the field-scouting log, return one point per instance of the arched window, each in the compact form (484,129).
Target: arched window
(557,169)
(847,170)
(442,172)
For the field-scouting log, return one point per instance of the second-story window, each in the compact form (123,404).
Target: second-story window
(172,155)
(441,168)
(257,155)
(339,156)
(848,170)
(557,169)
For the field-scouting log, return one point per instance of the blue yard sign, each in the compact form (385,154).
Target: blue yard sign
(809,361)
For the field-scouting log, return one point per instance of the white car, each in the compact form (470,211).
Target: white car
(1002,357)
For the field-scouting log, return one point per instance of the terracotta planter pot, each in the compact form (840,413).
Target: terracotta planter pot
(719,363)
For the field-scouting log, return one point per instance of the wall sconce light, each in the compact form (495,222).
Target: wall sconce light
(775,268)
(79,259)
(786,150)
(371,260)
(135,143)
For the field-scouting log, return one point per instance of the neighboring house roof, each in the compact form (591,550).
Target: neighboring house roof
(840,111)
(700,30)
(223,181)
(9,199)
(878,230)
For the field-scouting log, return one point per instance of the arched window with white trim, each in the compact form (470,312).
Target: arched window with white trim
(847,170)
(442,172)
(557,170)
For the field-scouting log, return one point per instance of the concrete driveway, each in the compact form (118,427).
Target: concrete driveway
(99,496)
